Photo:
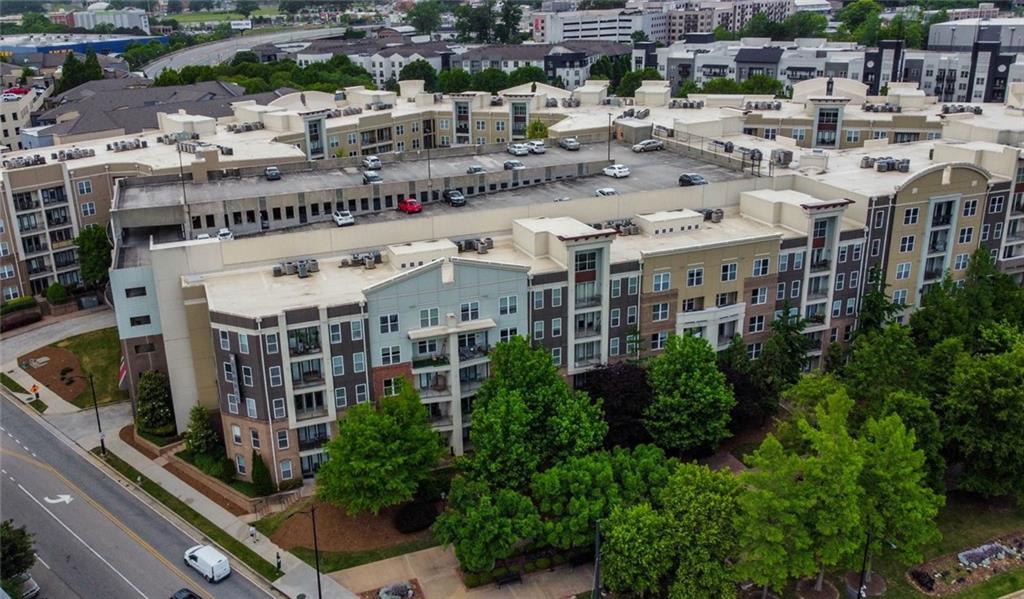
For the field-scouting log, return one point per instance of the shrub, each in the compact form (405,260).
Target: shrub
(558,559)
(430,490)
(19,319)
(218,466)
(19,303)
(56,294)
(499,572)
(200,436)
(288,485)
(471,580)
(262,482)
(414,517)
(543,563)
(65,371)
(529,567)
(153,408)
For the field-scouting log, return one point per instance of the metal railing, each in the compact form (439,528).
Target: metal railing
(311,413)
(587,301)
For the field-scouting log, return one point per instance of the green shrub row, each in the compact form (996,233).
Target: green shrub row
(478,579)
(19,303)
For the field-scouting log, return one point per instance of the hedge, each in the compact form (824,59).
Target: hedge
(19,303)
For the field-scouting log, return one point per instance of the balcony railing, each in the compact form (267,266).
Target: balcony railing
(312,442)
(817,318)
(435,390)
(591,361)
(63,243)
(54,201)
(36,249)
(440,420)
(942,220)
(937,246)
(817,293)
(311,413)
(1014,235)
(819,265)
(34,270)
(29,205)
(429,361)
(469,387)
(30,227)
(56,222)
(1017,208)
(933,274)
(588,301)
(308,380)
(588,332)
(472,352)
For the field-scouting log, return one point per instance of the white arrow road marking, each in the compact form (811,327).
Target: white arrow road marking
(60,499)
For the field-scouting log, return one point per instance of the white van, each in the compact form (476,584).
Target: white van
(209,562)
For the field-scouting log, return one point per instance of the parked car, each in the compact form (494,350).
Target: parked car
(371,177)
(514,165)
(409,205)
(209,562)
(272,173)
(372,163)
(454,197)
(29,587)
(616,170)
(605,191)
(474,169)
(536,146)
(518,149)
(688,179)
(225,234)
(648,145)
(203,236)
(569,143)
(185,593)
(343,218)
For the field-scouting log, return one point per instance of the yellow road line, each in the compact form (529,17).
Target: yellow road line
(99,508)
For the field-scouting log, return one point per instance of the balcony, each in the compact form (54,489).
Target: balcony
(933,274)
(310,413)
(1015,235)
(816,318)
(819,293)
(582,332)
(36,249)
(57,221)
(431,361)
(588,301)
(470,387)
(588,361)
(27,227)
(820,265)
(303,342)
(472,352)
(34,270)
(1017,208)
(438,388)
(313,442)
(20,206)
(53,201)
(942,220)
(63,243)
(307,379)
(937,247)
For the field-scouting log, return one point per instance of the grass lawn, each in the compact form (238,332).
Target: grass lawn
(206,17)
(11,384)
(232,545)
(332,561)
(38,405)
(99,352)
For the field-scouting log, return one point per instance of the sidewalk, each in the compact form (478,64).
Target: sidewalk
(55,404)
(53,329)
(299,577)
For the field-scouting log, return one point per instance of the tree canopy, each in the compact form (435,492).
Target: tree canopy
(420,70)
(632,81)
(425,16)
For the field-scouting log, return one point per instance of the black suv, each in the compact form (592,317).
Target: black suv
(454,197)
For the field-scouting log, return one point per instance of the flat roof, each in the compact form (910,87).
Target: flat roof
(561,226)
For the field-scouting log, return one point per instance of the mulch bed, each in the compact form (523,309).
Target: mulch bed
(415,584)
(805,590)
(49,374)
(127,434)
(951,577)
(875,587)
(200,485)
(337,531)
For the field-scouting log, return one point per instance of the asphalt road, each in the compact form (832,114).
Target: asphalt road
(93,537)
(219,51)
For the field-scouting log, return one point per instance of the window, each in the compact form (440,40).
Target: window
(225,341)
(388,323)
(876,246)
(997,232)
(11,293)
(631,315)
(794,290)
(357,330)
(770,133)
(275,376)
(853,135)
(695,277)
(85,188)
(662,281)
(254,438)
(229,372)
(243,343)
(250,407)
(780,291)
(470,311)
(854,279)
(282,439)
(556,297)
(837,308)
(910,216)
(798,260)
(429,317)
(970,207)
(966,234)
(906,244)
(613,346)
(247,376)
(556,327)
(538,300)
(729,271)
(899,297)
(240,463)
(361,396)
(236,434)
(843,251)
(984,232)
(358,362)
(756,324)
(6,271)
(232,403)
(271,343)
(286,470)
(338,365)
(585,261)
(754,351)
(138,321)
(879,219)
(278,408)
(761,266)
(390,354)
(961,261)
(507,334)
(391,386)
(658,340)
(614,317)
(556,356)
(799,134)
(632,285)
(616,287)
(995,204)
(855,256)
(759,296)
(902,271)
(88,208)
(538,329)
(508,305)
(340,397)
(840,281)
(659,312)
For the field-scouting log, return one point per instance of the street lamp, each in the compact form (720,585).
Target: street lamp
(609,137)
(95,407)
(316,546)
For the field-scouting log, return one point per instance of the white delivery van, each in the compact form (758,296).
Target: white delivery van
(209,562)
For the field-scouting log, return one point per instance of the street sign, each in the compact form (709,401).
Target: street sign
(241,25)
(35,388)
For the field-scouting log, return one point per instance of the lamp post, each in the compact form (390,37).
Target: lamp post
(609,137)
(316,547)
(861,591)
(95,407)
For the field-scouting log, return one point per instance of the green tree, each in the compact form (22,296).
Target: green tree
(503,454)
(692,401)
(856,14)
(782,357)
(379,456)
(688,87)
(721,85)
(537,130)
(16,555)
(454,81)
(625,393)
(246,7)
(916,413)
(262,481)
(636,554)
(899,507)
(391,84)
(881,363)
(91,69)
(245,56)
(154,411)
(983,420)
(506,29)
(420,70)
(762,84)
(876,309)
(93,255)
(71,73)
(200,438)
(26,72)
(485,525)
(527,75)
(641,472)
(632,81)
(572,496)
(577,427)
(174,7)
(490,80)
(475,22)
(738,369)
(639,36)
(166,78)
(610,68)
(723,35)
(56,294)
(425,16)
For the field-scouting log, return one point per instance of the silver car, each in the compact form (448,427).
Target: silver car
(648,145)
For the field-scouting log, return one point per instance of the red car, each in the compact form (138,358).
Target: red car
(409,205)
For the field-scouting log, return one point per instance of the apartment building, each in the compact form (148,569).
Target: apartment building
(568,61)
(961,35)
(982,74)
(615,25)
(16,110)
(702,16)
(99,13)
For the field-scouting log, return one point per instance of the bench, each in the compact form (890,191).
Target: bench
(508,578)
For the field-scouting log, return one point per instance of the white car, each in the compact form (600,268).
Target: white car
(616,170)
(372,163)
(209,562)
(343,218)
(225,234)
(605,191)
(536,146)
(518,149)
(648,145)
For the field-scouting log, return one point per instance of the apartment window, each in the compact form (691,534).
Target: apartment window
(961,261)
(585,261)
(282,439)
(910,216)
(556,356)
(538,329)
(613,346)
(390,354)
(338,365)
(388,323)
(756,324)
(358,362)
(879,219)
(759,296)
(695,277)
(391,386)
(254,438)
(11,293)
(853,135)
(470,311)
(632,285)
(761,266)
(631,315)
(840,281)
(232,403)
(995,204)
(250,407)
(659,312)
(754,351)
(854,279)
(855,255)
(556,327)
(274,373)
(84,187)
(970,207)
(356,327)
(880,134)
(658,340)
(340,397)
(614,317)
(229,372)
(352,139)
(236,434)
(843,250)
(429,317)
(286,470)
(538,300)
(837,309)
(984,232)
(794,290)
(507,334)
(876,246)
(271,340)
(616,287)
(662,281)
(907,244)
(243,343)
(278,408)
(799,134)
(780,292)
(361,396)
(798,260)
(240,463)
(966,234)
(88,208)
(997,231)
(729,271)
(508,305)
(899,297)
(6,271)
(225,341)
(783,262)
(247,376)
(770,132)
(556,297)
(5,250)
(902,271)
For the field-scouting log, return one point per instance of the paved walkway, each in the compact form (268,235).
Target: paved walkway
(55,404)
(436,569)
(52,329)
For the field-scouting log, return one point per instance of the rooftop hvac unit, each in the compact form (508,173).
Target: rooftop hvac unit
(314,265)
(369,264)
(976,109)
(882,166)
(904,165)
(278,271)
(291,268)
(303,269)
(481,249)
(781,157)
(866,162)
(728,147)
(699,104)
(717,215)
(345,263)
(776,105)
(642,113)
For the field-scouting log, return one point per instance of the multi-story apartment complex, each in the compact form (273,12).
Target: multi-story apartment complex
(984,10)
(16,109)
(702,16)
(99,13)
(568,61)
(960,36)
(614,25)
